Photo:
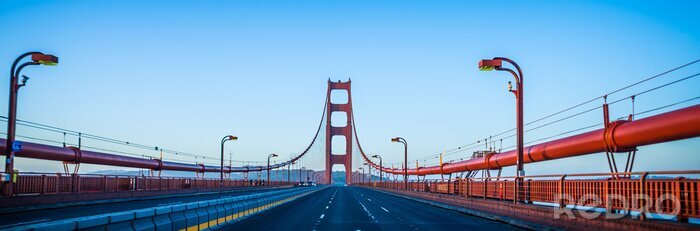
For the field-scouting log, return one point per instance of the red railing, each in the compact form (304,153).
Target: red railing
(651,192)
(47,183)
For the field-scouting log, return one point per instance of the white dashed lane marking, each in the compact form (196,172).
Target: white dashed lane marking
(323,214)
(367,211)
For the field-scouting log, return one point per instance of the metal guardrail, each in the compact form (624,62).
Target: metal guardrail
(201,215)
(662,192)
(57,183)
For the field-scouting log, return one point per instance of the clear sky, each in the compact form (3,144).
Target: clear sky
(181,74)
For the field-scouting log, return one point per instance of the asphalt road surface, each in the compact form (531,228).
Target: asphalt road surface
(8,220)
(355,208)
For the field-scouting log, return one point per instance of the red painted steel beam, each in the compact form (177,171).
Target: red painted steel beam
(670,126)
(71,154)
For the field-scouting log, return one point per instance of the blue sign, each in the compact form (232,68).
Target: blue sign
(16,146)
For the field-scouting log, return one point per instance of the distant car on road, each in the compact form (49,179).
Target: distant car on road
(307,184)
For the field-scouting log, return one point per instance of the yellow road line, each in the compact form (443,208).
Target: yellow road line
(241,214)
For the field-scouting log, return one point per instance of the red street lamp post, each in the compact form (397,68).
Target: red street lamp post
(362,177)
(226,138)
(405,159)
(268,166)
(380,168)
(369,172)
(496,64)
(12,146)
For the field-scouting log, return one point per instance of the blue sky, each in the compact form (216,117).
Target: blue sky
(181,74)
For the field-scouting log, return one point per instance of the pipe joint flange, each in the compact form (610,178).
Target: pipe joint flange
(609,138)
(160,165)
(487,161)
(78,154)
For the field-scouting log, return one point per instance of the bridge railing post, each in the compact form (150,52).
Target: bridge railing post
(528,191)
(608,188)
(560,190)
(43,184)
(104,183)
(643,191)
(515,190)
(679,187)
(485,181)
(520,191)
(75,182)
(467,185)
(468,189)
(58,182)
(501,189)
(116,183)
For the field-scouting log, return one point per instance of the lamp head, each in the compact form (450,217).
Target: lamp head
(232,137)
(44,59)
(395,139)
(273,155)
(490,64)
(375,156)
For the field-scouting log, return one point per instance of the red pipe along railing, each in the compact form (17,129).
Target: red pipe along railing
(674,125)
(57,183)
(74,155)
(662,192)
(670,126)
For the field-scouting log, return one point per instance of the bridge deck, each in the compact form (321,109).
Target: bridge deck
(356,208)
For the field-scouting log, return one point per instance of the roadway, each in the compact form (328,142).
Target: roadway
(8,220)
(356,208)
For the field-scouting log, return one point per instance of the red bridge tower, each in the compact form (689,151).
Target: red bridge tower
(333,132)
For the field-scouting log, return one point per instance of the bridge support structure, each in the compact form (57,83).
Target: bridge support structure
(331,132)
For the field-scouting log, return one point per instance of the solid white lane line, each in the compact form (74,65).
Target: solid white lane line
(384,209)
